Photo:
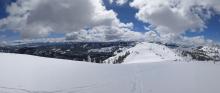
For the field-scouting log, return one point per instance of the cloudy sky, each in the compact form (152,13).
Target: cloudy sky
(186,21)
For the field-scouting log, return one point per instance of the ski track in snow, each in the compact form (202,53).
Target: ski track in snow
(137,84)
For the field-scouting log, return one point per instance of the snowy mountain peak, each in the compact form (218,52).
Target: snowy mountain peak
(145,52)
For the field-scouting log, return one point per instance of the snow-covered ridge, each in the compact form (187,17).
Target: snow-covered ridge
(211,51)
(156,52)
(117,52)
(19,58)
(202,53)
(147,52)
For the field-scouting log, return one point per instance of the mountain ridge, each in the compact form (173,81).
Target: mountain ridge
(115,52)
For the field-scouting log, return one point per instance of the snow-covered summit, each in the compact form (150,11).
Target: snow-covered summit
(145,52)
(151,52)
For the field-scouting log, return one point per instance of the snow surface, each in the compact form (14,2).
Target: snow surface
(145,52)
(31,74)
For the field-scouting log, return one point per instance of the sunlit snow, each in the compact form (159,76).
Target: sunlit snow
(30,74)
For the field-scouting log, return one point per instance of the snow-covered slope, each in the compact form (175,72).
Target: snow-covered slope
(147,52)
(30,74)
(150,52)
(213,51)
(202,53)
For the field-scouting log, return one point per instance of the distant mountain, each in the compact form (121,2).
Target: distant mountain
(201,53)
(114,52)
(157,52)
(81,51)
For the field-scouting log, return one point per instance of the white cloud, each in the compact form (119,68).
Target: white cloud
(198,40)
(152,36)
(38,18)
(90,20)
(172,18)
(119,2)
(146,28)
(105,33)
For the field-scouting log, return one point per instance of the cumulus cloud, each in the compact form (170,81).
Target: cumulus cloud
(197,40)
(110,33)
(37,18)
(90,20)
(172,18)
(153,36)
(75,18)
(119,2)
